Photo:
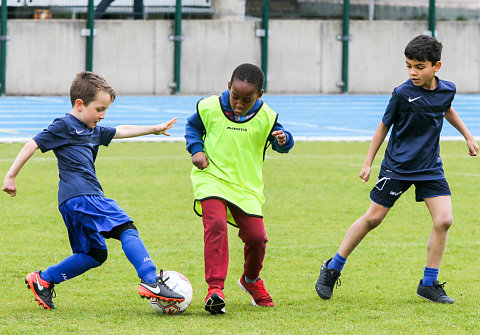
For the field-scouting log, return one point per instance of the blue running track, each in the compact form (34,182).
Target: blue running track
(319,117)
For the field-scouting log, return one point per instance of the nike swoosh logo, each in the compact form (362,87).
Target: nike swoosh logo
(79,132)
(40,287)
(412,100)
(155,290)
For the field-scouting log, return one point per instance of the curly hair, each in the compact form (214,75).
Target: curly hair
(249,73)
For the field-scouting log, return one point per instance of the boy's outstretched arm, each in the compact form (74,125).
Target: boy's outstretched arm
(126,131)
(9,184)
(377,140)
(454,119)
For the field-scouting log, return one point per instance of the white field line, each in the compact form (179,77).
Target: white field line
(296,138)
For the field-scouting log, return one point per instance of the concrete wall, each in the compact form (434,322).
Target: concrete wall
(304,55)
(43,57)
(377,63)
(214,49)
(135,57)
(229,10)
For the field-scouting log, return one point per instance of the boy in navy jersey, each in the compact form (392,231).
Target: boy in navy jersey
(416,111)
(90,217)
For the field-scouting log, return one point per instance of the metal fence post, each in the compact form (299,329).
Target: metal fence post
(89,33)
(177,39)
(345,39)
(265,19)
(3,47)
(432,18)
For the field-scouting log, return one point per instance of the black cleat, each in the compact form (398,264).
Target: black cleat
(159,290)
(327,280)
(42,290)
(434,293)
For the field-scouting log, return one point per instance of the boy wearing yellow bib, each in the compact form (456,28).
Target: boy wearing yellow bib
(227,138)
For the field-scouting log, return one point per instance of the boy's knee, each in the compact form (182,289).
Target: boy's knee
(444,222)
(116,232)
(99,255)
(256,239)
(373,221)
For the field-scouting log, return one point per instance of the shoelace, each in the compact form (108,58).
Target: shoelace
(328,280)
(52,291)
(338,282)
(160,277)
(439,287)
(162,281)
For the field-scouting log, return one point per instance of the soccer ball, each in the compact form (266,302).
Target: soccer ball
(179,284)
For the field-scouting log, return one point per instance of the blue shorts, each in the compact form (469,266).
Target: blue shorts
(386,191)
(87,216)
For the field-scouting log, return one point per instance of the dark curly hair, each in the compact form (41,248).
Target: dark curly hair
(249,73)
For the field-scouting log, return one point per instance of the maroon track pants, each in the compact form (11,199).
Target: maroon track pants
(251,231)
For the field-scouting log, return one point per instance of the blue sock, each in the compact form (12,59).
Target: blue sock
(337,262)
(429,275)
(69,268)
(137,254)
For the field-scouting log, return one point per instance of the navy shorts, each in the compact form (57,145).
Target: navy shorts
(87,217)
(386,191)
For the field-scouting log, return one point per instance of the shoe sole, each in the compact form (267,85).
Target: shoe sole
(37,298)
(321,295)
(145,293)
(215,305)
(253,300)
(437,302)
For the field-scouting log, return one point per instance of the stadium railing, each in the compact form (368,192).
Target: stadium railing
(117,7)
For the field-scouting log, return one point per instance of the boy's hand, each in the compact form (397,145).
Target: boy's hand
(472,147)
(200,160)
(365,173)
(10,186)
(280,136)
(161,128)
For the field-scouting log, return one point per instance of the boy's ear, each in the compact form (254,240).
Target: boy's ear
(79,105)
(229,85)
(260,94)
(437,66)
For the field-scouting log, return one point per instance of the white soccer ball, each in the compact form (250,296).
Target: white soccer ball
(179,284)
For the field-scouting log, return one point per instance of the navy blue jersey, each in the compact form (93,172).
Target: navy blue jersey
(76,146)
(413,150)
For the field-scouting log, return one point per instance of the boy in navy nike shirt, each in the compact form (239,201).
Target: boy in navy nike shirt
(90,217)
(416,111)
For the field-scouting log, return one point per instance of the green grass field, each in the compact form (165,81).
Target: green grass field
(313,195)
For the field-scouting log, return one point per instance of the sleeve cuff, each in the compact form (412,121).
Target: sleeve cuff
(196,148)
